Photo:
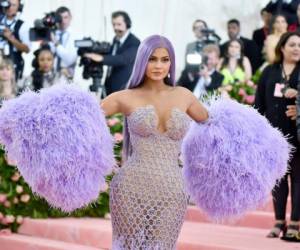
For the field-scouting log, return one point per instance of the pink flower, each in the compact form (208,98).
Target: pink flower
(9,219)
(19,219)
(1,216)
(242,92)
(113,121)
(118,137)
(250,83)
(15,177)
(5,231)
(25,198)
(11,162)
(7,204)
(15,200)
(2,198)
(104,187)
(19,189)
(250,99)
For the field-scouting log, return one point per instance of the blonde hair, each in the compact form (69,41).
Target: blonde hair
(7,63)
(212,48)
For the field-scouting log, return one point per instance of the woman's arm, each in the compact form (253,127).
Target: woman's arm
(112,104)
(247,68)
(195,109)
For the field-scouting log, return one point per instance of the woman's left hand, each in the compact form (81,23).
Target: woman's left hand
(290,93)
(291,112)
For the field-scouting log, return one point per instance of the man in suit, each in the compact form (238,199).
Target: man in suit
(207,78)
(250,48)
(123,51)
(259,35)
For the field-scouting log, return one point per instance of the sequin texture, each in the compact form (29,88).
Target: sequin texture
(148,198)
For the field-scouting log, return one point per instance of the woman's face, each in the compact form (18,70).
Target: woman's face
(291,50)
(6,73)
(45,61)
(234,49)
(158,65)
(280,25)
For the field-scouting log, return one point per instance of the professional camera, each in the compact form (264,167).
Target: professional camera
(91,68)
(43,27)
(4,4)
(195,59)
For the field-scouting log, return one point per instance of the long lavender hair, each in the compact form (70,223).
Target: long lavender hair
(137,77)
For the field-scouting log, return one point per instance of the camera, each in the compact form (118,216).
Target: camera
(203,64)
(4,5)
(43,27)
(90,68)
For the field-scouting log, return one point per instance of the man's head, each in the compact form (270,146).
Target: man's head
(13,8)
(233,28)
(266,17)
(66,17)
(121,23)
(198,26)
(212,54)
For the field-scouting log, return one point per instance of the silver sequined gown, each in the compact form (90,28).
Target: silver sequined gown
(148,199)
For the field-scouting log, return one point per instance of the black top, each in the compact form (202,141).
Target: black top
(273,107)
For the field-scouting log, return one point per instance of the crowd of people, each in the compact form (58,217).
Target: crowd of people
(274,49)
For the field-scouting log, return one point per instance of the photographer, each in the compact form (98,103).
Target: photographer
(276,93)
(122,55)
(62,44)
(15,37)
(193,53)
(207,78)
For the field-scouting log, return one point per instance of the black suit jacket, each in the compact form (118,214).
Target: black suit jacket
(187,82)
(250,50)
(259,37)
(121,63)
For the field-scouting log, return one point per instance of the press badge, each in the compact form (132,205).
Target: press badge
(278,91)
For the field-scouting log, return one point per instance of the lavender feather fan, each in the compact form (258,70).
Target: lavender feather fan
(61,143)
(232,161)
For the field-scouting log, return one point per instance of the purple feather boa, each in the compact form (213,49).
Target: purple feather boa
(61,143)
(232,161)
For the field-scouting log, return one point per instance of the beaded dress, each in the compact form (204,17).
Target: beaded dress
(148,200)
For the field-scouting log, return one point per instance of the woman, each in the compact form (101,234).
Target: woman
(43,74)
(276,91)
(157,117)
(279,26)
(8,88)
(235,66)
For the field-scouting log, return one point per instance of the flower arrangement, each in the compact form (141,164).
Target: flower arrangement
(240,91)
(243,92)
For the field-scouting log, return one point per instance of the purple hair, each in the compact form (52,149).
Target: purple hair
(144,52)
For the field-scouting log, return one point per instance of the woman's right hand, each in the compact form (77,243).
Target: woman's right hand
(290,93)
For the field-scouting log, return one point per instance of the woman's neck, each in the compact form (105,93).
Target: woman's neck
(155,86)
(7,88)
(288,66)
(278,33)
